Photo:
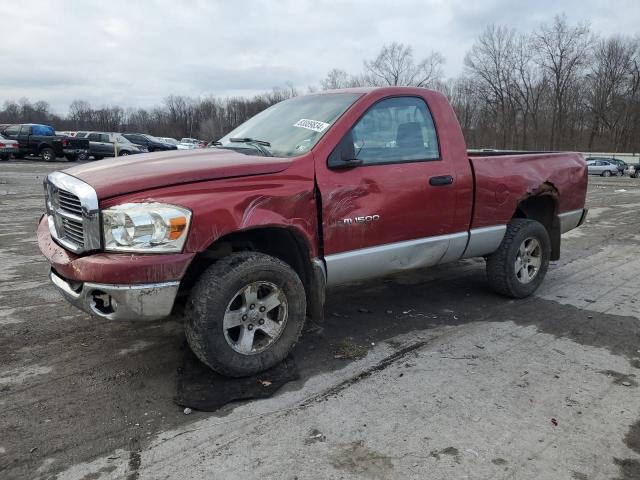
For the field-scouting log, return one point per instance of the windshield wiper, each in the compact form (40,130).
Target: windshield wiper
(250,140)
(259,144)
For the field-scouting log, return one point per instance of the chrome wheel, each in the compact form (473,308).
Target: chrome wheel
(528,261)
(255,317)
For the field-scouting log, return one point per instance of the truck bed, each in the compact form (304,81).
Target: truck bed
(503,179)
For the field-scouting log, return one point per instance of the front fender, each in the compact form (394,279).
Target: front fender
(224,206)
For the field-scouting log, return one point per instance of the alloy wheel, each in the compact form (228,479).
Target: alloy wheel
(528,261)
(255,317)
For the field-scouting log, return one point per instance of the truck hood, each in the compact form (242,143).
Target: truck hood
(119,176)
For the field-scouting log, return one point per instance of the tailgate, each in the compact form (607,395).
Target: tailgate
(78,143)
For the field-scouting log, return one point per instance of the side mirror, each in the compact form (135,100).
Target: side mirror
(344,155)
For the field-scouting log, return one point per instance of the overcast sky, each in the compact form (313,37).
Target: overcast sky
(135,52)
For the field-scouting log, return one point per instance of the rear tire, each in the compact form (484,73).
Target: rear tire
(48,155)
(511,270)
(224,308)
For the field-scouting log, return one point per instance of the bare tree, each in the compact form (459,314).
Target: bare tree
(80,113)
(562,51)
(489,63)
(395,65)
(527,88)
(609,83)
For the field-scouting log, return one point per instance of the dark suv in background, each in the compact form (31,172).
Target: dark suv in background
(103,144)
(151,143)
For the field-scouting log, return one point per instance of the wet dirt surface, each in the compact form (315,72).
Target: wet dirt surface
(443,374)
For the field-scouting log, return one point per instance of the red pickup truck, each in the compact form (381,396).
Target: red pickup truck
(314,192)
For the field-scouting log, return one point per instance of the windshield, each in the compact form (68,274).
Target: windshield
(291,127)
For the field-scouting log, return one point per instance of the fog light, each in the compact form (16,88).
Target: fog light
(103,303)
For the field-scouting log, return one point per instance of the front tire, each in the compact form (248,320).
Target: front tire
(245,314)
(521,262)
(606,173)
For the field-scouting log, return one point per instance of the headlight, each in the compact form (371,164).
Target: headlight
(145,228)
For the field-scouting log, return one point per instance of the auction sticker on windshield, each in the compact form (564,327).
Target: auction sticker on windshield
(315,125)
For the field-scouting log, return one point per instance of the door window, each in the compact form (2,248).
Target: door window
(94,137)
(13,131)
(395,130)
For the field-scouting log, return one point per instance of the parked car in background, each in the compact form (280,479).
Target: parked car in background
(622,166)
(169,140)
(36,139)
(103,144)
(151,143)
(8,147)
(604,168)
(191,143)
(633,170)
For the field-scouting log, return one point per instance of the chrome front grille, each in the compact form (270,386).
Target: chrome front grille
(73,230)
(70,202)
(72,208)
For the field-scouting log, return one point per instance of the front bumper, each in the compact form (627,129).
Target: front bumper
(119,302)
(115,286)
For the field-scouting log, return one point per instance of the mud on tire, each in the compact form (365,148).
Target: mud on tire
(216,293)
(501,265)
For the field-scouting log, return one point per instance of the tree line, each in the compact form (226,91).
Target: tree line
(557,87)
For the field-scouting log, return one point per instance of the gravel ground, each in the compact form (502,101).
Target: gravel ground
(420,375)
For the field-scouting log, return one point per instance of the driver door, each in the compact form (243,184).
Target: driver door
(392,207)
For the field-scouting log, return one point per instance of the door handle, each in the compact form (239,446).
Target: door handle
(441,180)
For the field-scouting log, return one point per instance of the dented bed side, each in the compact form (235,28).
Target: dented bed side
(503,182)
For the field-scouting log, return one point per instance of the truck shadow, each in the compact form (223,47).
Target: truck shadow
(360,316)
